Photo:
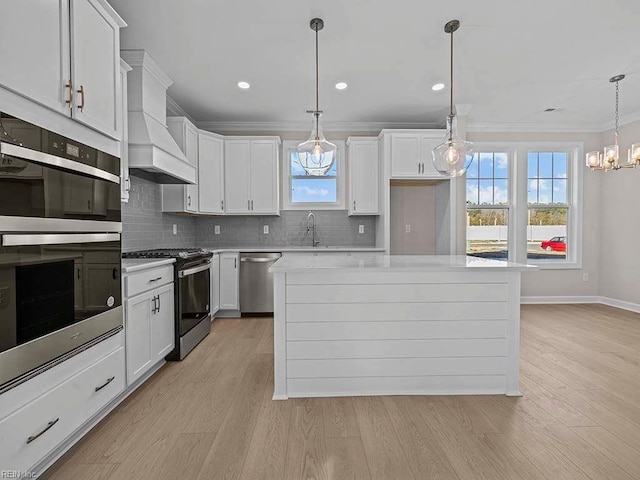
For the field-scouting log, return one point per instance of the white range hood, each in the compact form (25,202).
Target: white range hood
(153,154)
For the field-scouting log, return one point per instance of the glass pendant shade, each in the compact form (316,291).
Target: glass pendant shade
(593,159)
(634,153)
(316,155)
(452,157)
(611,156)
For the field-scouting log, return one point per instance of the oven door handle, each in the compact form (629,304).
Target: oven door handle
(57,238)
(191,271)
(56,162)
(258,259)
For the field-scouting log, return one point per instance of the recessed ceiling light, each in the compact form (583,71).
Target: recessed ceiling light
(341,85)
(243,85)
(437,87)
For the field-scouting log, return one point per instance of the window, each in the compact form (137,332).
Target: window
(548,207)
(488,205)
(303,191)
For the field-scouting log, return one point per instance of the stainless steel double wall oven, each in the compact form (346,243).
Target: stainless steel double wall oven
(60,227)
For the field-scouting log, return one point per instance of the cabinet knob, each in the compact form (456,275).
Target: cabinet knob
(188,200)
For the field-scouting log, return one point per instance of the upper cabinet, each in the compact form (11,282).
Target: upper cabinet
(183,198)
(125,181)
(71,60)
(363,163)
(411,154)
(251,175)
(211,172)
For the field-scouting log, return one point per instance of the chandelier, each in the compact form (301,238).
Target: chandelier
(316,155)
(452,157)
(610,159)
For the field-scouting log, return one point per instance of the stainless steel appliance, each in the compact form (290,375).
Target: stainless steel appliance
(60,288)
(256,283)
(192,295)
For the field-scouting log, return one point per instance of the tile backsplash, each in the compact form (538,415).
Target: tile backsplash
(145,226)
(333,228)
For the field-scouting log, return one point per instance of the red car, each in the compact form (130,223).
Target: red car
(557,244)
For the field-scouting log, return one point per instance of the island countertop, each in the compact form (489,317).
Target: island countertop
(385,263)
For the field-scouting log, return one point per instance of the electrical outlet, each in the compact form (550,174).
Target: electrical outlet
(265,229)
(407,228)
(175,229)
(361,229)
(216,230)
(585,277)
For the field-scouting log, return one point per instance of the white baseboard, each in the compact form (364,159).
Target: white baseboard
(611,302)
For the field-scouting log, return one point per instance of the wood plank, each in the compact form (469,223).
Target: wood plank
(385,455)
(339,418)
(615,449)
(394,293)
(396,330)
(346,459)
(306,449)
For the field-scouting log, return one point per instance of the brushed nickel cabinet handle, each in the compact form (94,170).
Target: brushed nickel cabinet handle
(81,92)
(49,425)
(105,384)
(69,101)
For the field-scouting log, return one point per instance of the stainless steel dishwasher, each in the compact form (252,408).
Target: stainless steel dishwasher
(256,283)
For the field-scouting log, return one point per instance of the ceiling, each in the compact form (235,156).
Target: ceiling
(513,59)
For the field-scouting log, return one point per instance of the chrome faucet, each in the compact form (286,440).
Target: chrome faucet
(311,226)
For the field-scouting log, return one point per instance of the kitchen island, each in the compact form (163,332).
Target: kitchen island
(372,324)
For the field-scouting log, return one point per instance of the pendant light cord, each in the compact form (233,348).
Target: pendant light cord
(617,111)
(317,112)
(451,89)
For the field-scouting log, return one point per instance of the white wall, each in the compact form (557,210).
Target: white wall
(619,225)
(564,282)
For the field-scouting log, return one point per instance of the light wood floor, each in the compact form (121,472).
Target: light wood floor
(212,417)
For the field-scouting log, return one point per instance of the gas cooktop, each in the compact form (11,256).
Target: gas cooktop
(184,253)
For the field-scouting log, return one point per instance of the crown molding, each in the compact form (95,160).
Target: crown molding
(371,127)
(624,120)
(139,58)
(175,110)
(532,128)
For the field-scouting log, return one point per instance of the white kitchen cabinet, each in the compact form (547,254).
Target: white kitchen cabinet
(71,60)
(411,154)
(211,172)
(251,175)
(229,281)
(149,319)
(364,186)
(182,198)
(215,284)
(125,181)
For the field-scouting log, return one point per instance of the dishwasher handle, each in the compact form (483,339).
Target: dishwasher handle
(258,260)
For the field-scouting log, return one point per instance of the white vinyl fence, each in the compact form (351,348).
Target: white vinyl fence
(535,233)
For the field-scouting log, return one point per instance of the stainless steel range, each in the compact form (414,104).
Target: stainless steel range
(193,279)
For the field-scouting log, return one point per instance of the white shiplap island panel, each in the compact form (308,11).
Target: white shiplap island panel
(373,324)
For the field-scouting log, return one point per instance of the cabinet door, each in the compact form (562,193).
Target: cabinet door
(191,152)
(363,178)
(163,325)
(237,168)
(125,182)
(101,281)
(35,50)
(427,144)
(95,66)
(405,156)
(264,177)
(215,284)
(229,268)
(211,173)
(138,339)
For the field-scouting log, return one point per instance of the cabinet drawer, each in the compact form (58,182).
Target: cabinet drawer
(32,432)
(149,279)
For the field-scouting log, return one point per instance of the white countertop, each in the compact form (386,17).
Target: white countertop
(297,249)
(386,263)
(130,265)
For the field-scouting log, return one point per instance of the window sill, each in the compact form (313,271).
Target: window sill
(312,206)
(556,265)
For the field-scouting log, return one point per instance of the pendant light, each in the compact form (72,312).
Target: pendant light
(610,159)
(452,157)
(316,155)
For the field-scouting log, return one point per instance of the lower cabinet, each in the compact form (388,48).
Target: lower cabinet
(150,330)
(59,407)
(229,281)
(215,284)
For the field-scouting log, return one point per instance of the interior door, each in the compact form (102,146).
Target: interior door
(95,66)
(35,51)
(237,168)
(264,177)
(211,173)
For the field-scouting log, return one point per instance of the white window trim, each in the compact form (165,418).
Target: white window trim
(518,181)
(289,145)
